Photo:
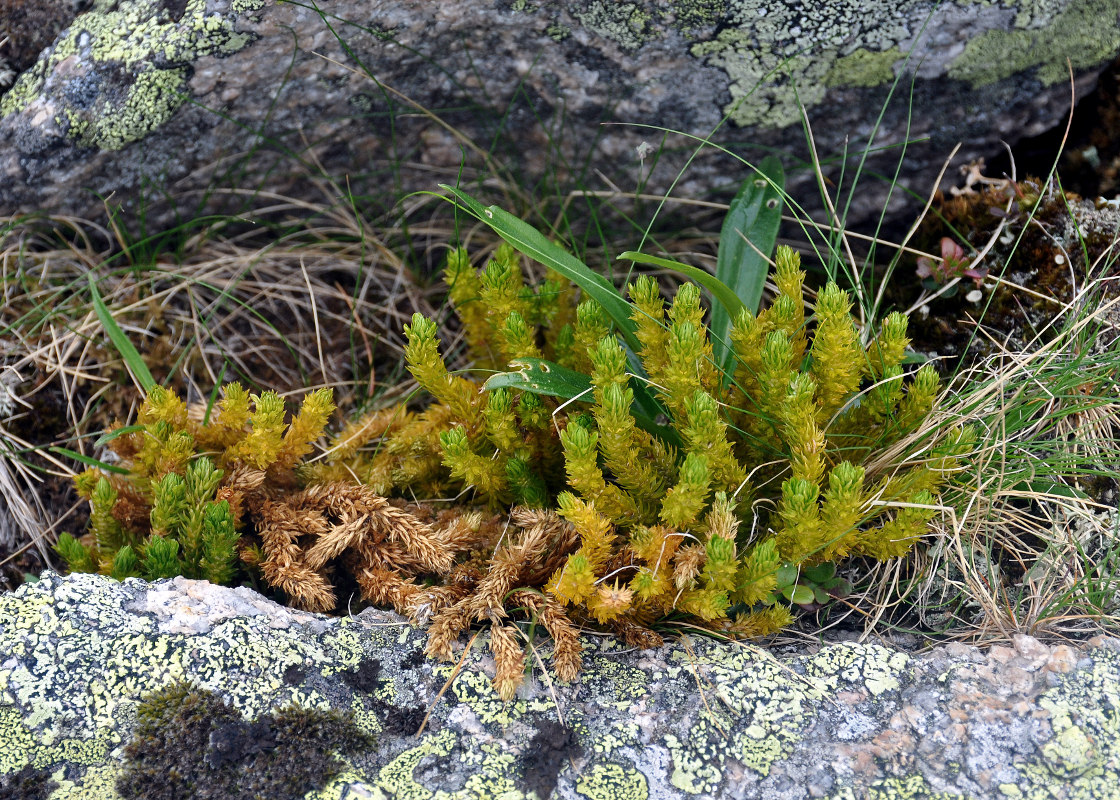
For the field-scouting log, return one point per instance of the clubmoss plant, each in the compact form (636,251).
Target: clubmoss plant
(180,507)
(810,441)
(681,488)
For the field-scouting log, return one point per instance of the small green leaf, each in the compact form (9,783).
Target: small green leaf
(538,376)
(798,594)
(786,574)
(753,219)
(131,357)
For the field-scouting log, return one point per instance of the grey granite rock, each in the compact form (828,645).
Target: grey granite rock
(142,100)
(695,718)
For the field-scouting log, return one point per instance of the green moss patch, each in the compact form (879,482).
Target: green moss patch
(189,744)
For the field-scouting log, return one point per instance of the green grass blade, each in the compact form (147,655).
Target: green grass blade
(89,462)
(129,353)
(753,218)
(105,438)
(535,245)
(718,289)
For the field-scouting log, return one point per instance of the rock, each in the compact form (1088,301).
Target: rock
(166,106)
(90,669)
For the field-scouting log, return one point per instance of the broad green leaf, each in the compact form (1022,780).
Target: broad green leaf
(820,573)
(718,289)
(129,353)
(753,218)
(535,245)
(538,376)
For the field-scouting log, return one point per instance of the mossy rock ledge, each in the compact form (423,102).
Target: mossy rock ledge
(141,99)
(89,668)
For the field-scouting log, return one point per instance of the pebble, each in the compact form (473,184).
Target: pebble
(1062,659)
(1001,654)
(1031,650)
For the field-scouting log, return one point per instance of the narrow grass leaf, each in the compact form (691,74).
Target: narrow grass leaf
(129,353)
(89,462)
(535,245)
(719,290)
(753,219)
(105,438)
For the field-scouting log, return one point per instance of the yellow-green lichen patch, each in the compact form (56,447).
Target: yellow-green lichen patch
(1082,759)
(1086,33)
(778,58)
(626,24)
(612,782)
(17,744)
(698,13)
(97,783)
(496,778)
(605,675)
(869,666)
(87,631)
(396,777)
(754,712)
(914,787)
(119,71)
(342,785)
(622,733)
(472,688)
(863,68)
(152,99)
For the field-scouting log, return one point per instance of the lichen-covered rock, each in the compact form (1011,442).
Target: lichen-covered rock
(140,99)
(87,664)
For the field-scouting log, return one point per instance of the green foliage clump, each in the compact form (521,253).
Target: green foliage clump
(502,443)
(654,479)
(666,456)
(180,508)
(189,744)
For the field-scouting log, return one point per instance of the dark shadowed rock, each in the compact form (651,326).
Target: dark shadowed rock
(145,100)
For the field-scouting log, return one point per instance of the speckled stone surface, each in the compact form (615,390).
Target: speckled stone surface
(163,97)
(694,719)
